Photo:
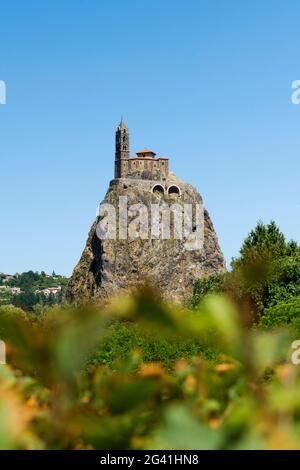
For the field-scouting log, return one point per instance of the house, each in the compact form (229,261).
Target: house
(48,291)
(12,290)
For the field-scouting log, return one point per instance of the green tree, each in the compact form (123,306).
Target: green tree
(25,301)
(267,270)
(284,313)
(210,284)
(265,242)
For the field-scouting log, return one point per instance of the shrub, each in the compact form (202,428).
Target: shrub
(51,399)
(284,313)
(207,285)
(124,337)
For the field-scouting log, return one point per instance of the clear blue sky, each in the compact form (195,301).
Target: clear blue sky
(207,83)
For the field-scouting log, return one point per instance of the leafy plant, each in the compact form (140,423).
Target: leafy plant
(59,392)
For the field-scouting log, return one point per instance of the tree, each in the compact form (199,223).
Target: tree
(265,242)
(25,301)
(211,284)
(284,313)
(266,272)
(268,268)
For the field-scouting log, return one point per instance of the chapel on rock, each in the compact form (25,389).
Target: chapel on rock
(143,166)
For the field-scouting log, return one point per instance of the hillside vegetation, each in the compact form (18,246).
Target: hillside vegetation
(265,275)
(143,374)
(31,286)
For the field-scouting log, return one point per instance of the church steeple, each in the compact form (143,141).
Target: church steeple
(122,124)
(122,148)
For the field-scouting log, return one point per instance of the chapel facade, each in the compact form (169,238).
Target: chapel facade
(143,166)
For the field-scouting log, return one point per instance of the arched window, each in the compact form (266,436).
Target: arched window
(158,189)
(174,190)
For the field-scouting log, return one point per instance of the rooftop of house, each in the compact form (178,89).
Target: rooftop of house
(146,152)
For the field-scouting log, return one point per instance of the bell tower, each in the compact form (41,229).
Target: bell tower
(122,150)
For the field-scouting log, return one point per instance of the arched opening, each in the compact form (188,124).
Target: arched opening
(174,190)
(158,189)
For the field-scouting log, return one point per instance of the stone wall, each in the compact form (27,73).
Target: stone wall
(155,169)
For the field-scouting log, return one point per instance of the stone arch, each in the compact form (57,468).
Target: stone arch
(158,189)
(173,189)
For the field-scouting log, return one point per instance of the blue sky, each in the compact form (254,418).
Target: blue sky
(206,83)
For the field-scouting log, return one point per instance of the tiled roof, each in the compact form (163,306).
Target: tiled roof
(146,151)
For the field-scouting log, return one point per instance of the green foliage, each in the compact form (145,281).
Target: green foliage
(267,272)
(265,242)
(283,313)
(29,283)
(123,337)
(207,285)
(25,300)
(56,393)
(6,297)
(32,281)
(268,269)
(144,374)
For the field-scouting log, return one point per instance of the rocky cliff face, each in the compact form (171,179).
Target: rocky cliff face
(110,266)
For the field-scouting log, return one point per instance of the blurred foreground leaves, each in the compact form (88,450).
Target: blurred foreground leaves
(55,392)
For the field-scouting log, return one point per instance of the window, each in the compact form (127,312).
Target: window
(158,189)
(174,190)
